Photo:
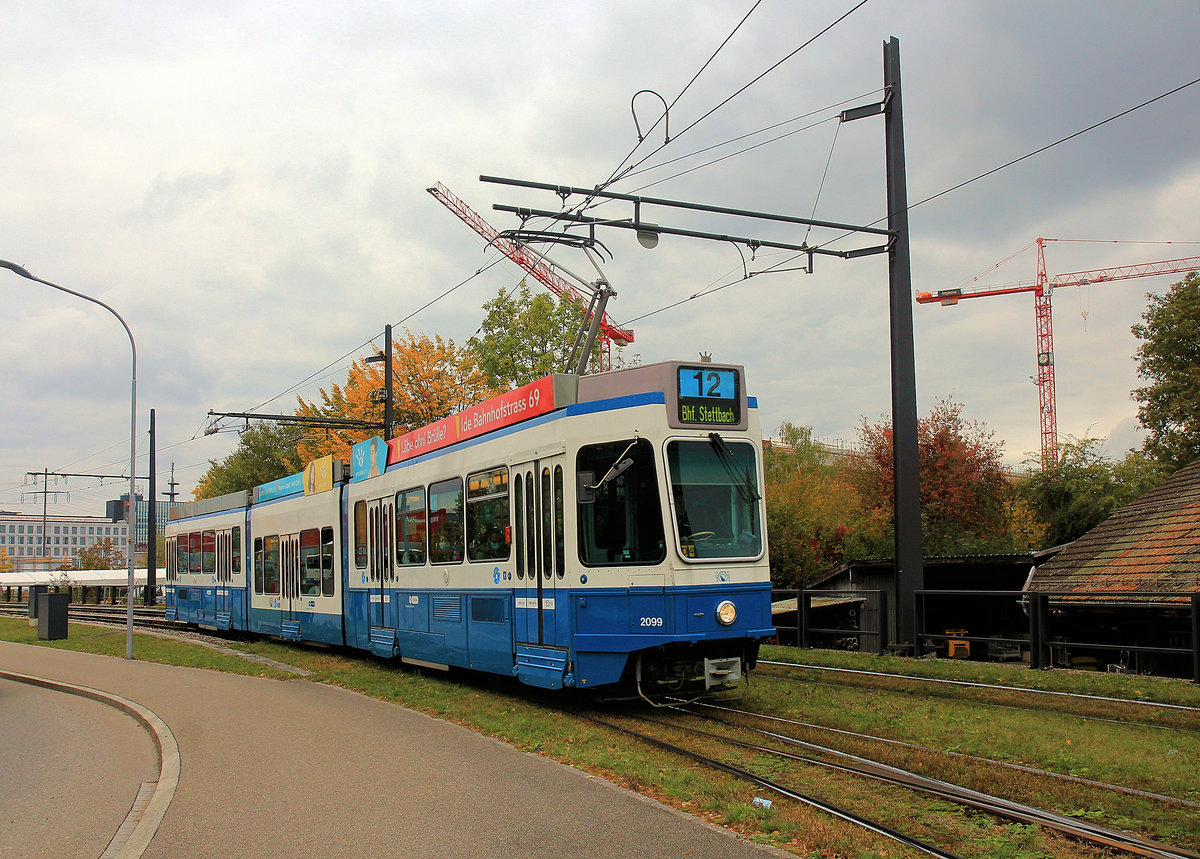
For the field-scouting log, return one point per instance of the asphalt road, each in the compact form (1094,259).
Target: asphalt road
(296,768)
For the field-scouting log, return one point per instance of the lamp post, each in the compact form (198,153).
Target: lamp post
(131,517)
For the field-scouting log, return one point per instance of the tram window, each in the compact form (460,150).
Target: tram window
(624,525)
(530,527)
(446,522)
(717,500)
(373,530)
(235,565)
(181,555)
(258,565)
(547,526)
(327,581)
(310,562)
(271,565)
(194,563)
(487,515)
(360,534)
(518,543)
(560,547)
(410,526)
(209,547)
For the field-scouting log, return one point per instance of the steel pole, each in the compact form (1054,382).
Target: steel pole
(910,566)
(131,527)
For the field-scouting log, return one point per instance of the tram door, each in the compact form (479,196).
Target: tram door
(381,559)
(224,558)
(289,575)
(540,550)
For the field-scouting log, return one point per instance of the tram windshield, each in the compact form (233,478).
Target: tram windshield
(716,499)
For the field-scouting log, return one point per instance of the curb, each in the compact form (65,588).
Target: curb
(153,799)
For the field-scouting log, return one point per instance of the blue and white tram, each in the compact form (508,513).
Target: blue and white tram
(577,532)
(204,571)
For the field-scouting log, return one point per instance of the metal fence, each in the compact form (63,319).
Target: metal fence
(1041,636)
(869,631)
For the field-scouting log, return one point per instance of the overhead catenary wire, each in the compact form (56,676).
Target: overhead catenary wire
(143,442)
(337,362)
(748,134)
(614,175)
(742,89)
(1014,161)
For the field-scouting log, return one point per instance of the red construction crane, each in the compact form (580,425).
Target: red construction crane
(1042,289)
(532,263)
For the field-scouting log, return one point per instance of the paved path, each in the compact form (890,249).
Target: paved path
(71,767)
(296,768)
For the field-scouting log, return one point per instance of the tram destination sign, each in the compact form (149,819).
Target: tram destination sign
(709,395)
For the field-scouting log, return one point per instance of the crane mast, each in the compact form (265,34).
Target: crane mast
(536,266)
(1042,289)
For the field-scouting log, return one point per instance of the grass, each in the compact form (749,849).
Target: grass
(1159,760)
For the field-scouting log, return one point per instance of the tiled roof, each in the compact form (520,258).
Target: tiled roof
(1151,545)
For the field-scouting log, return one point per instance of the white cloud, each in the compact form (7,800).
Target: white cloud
(245,183)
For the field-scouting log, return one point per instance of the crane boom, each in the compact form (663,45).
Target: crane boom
(1042,289)
(534,265)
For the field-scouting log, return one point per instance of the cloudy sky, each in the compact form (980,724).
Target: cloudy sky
(245,182)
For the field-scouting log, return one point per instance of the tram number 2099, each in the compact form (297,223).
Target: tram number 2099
(651,621)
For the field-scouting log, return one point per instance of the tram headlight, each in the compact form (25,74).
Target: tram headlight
(726,613)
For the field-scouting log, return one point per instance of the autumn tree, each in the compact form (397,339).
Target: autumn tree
(6,565)
(966,504)
(816,517)
(431,379)
(265,452)
(526,336)
(1169,359)
(1078,491)
(104,554)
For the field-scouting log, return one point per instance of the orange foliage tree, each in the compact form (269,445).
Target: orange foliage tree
(816,516)
(431,379)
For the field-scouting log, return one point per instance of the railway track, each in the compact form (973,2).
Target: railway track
(85,612)
(641,727)
(888,741)
(680,734)
(1150,714)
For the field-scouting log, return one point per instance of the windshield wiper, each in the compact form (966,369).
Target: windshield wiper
(743,481)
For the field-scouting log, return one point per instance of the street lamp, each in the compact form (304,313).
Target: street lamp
(131,517)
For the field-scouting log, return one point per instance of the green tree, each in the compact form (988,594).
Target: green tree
(1169,359)
(1081,489)
(965,495)
(431,379)
(104,554)
(526,336)
(265,452)
(815,516)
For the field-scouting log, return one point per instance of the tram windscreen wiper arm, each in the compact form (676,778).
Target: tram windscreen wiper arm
(744,481)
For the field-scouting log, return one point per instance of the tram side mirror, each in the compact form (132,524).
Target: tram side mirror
(587,484)
(585,490)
